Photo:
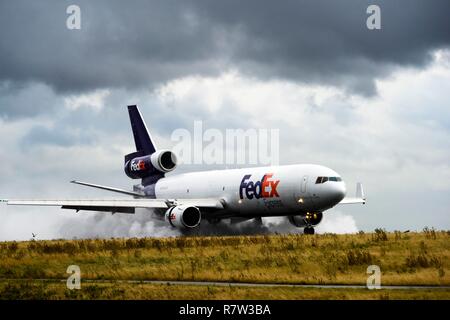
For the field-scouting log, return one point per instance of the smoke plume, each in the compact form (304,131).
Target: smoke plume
(146,224)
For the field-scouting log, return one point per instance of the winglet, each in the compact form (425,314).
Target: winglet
(360,191)
(360,197)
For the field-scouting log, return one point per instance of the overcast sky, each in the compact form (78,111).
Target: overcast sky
(371,104)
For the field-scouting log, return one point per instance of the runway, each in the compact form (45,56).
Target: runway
(243,284)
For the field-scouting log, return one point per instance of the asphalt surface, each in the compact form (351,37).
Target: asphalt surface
(243,284)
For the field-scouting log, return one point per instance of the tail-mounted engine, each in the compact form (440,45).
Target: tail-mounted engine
(309,219)
(164,160)
(138,167)
(183,217)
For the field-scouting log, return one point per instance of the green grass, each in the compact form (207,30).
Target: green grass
(405,259)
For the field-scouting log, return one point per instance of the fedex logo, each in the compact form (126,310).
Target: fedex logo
(264,188)
(137,165)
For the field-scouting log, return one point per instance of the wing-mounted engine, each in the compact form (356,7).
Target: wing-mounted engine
(309,219)
(183,217)
(138,167)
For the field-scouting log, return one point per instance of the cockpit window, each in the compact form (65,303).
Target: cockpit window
(325,179)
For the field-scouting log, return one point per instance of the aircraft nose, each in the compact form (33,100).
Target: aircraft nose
(339,191)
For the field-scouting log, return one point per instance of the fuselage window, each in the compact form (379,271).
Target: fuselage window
(333,179)
(324,179)
(319,180)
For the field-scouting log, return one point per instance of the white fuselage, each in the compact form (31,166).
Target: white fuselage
(262,191)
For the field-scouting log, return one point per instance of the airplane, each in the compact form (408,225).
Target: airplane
(300,192)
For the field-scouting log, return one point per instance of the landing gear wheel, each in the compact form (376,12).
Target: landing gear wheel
(308,230)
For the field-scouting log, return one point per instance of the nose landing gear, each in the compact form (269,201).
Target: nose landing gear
(308,230)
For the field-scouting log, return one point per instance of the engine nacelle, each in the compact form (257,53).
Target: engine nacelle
(184,216)
(140,167)
(145,166)
(164,160)
(309,219)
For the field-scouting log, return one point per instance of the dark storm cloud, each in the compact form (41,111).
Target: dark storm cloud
(119,44)
(143,43)
(20,99)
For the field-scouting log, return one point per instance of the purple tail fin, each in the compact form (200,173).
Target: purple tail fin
(144,147)
(142,138)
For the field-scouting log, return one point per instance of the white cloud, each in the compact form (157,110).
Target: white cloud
(94,100)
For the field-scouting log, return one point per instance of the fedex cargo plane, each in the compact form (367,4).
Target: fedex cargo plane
(301,192)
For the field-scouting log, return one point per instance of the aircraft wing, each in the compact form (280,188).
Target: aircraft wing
(98,186)
(359,197)
(352,201)
(116,205)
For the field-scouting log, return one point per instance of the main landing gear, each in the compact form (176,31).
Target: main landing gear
(308,230)
(214,220)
